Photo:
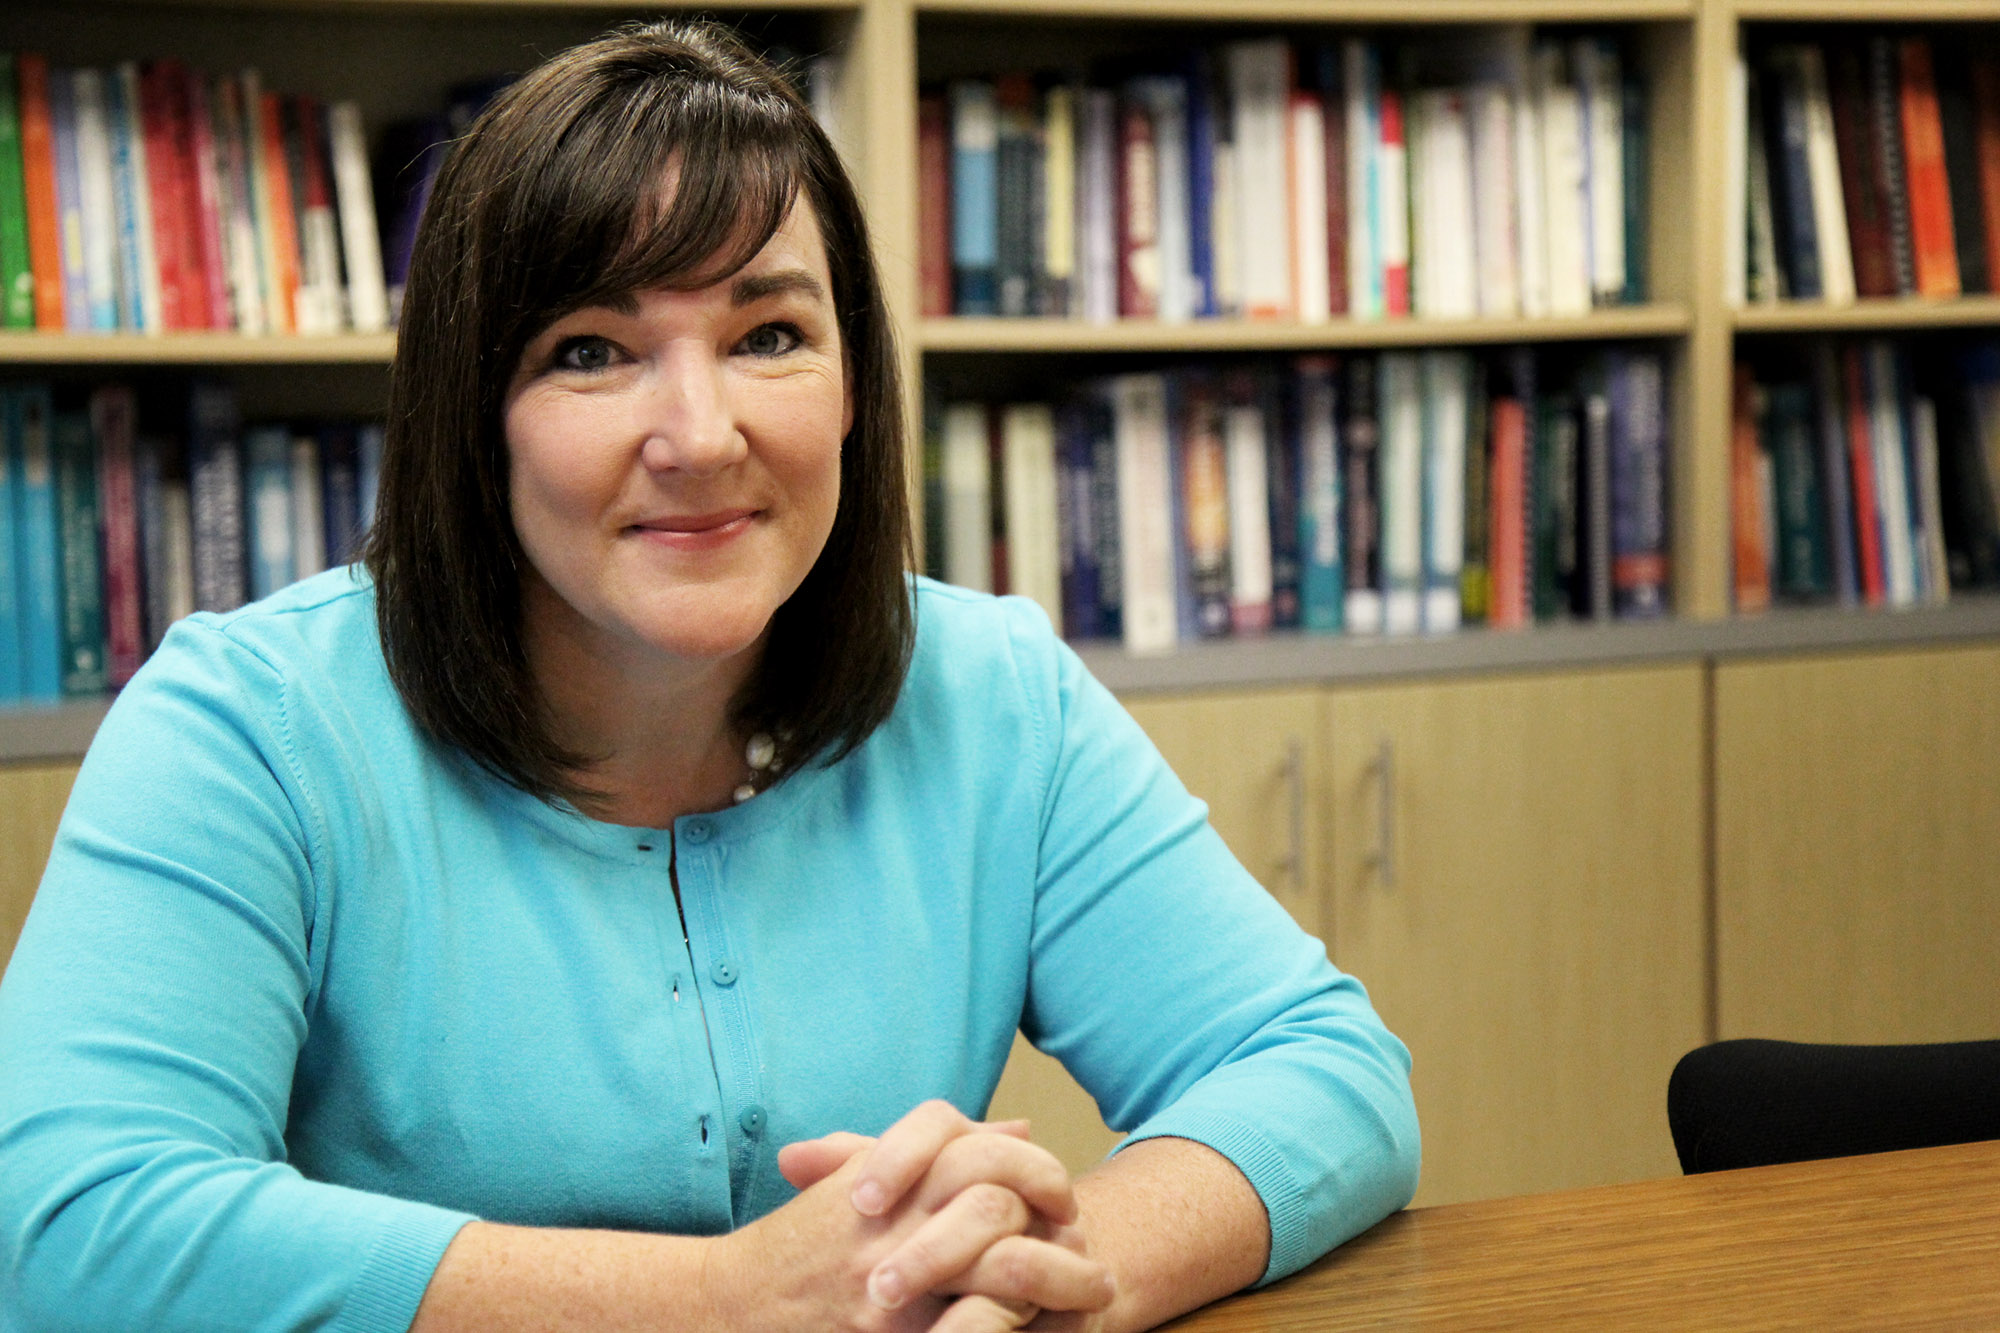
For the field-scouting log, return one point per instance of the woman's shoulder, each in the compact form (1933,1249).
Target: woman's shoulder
(967,634)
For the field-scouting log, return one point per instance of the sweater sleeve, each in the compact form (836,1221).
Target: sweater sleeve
(1185,999)
(149,1025)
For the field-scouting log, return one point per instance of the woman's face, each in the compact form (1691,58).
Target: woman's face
(675,459)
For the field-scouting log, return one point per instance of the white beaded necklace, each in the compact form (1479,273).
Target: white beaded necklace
(761,754)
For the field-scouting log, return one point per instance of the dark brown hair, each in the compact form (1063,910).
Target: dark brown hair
(552,202)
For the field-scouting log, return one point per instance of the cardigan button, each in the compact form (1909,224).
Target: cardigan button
(724,973)
(698,830)
(752,1120)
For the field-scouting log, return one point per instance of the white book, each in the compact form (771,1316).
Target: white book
(1567,227)
(1311,279)
(367,295)
(1166,99)
(1829,206)
(1225,246)
(308,512)
(147,280)
(1400,410)
(1260,92)
(1892,480)
(1495,242)
(1455,293)
(1735,186)
(1392,209)
(1600,102)
(1361,82)
(94,184)
(177,533)
(968,497)
(1145,511)
(1936,579)
(1028,473)
(1096,204)
(1249,492)
(1447,401)
(1059,194)
(1531,224)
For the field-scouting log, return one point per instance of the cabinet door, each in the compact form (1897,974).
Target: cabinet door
(1518,880)
(32,797)
(1255,758)
(1857,847)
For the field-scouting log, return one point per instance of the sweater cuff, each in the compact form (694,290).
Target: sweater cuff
(398,1269)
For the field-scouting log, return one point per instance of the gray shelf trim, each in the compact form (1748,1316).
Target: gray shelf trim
(1294,659)
(28,735)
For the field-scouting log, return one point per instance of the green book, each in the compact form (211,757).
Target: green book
(1638,204)
(83,670)
(1801,568)
(17,277)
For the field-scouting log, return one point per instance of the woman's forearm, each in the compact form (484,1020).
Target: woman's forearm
(1178,1225)
(498,1279)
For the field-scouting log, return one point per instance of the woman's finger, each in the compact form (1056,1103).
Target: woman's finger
(947,1243)
(978,1314)
(809,1161)
(1038,1272)
(1031,1171)
(904,1153)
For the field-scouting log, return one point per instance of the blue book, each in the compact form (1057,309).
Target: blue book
(1315,421)
(37,554)
(1076,519)
(1830,399)
(128,194)
(1101,422)
(1201,110)
(975,207)
(340,491)
(69,200)
(267,508)
(368,444)
(1639,536)
(215,494)
(82,566)
(1791,192)
(10,589)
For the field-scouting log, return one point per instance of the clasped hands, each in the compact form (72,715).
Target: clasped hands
(943,1224)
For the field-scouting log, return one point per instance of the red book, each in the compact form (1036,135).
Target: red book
(934,202)
(1931,234)
(1507,531)
(1333,107)
(204,200)
(1861,463)
(114,424)
(163,182)
(284,232)
(1861,173)
(1138,214)
(1392,186)
(1749,542)
(38,167)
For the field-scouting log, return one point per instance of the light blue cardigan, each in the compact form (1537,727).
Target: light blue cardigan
(302,993)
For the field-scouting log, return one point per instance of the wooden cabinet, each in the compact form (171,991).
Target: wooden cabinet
(31,802)
(1857,841)
(1517,876)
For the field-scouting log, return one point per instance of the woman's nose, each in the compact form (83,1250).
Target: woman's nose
(687,420)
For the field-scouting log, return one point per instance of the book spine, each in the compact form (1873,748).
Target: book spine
(1282,471)
(1637,200)
(1145,508)
(1508,605)
(320,244)
(1892,476)
(1203,477)
(1986,150)
(1639,488)
(1033,542)
(1260,87)
(113,423)
(1316,421)
(267,509)
(1360,440)
(1932,243)
(38,548)
(1751,569)
(201,213)
(1100,412)
(975,205)
(1868,534)
(340,494)
(1015,150)
(1930,506)
(1792,188)
(1312,292)
(83,667)
(1392,202)
(367,291)
(161,156)
(1593,589)
(138,257)
(149,485)
(1058,276)
(1496,239)
(1201,178)
(215,488)
(1076,521)
(1168,97)
(249,312)
(1401,414)
(11,592)
(1800,563)
(1249,488)
(1138,212)
(17,273)
(1564,217)
(1764,278)
(1445,385)
(38,168)
(95,198)
(1860,173)
(1554,559)
(1961,169)
(276,213)
(968,482)
(934,204)
(1829,207)
(1334,136)
(1600,95)
(1835,488)
(1886,122)
(1361,89)
(1475,578)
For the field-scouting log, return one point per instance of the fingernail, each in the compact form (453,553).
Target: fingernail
(869,1198)
(885,1288)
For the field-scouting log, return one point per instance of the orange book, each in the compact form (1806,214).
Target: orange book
(1931,235)
(1750,541)
(38,163)
(1507,534)
(284,234)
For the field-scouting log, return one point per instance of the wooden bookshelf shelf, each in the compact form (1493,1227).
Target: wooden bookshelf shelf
(1068,335)
(612,8)
(194,349)
(1322,11)
(1866,11)
(1862,316)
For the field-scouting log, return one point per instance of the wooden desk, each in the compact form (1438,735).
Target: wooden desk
(1897,1241)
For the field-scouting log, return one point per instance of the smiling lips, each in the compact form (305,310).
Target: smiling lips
(696,532)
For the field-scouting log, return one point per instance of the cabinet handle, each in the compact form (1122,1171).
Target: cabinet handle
(1382,861)
(1292,865)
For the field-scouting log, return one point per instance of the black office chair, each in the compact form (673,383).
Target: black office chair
(1755,1103)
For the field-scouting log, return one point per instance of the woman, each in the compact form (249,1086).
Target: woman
(611,910)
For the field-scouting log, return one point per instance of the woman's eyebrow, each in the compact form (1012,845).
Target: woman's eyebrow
(755,287)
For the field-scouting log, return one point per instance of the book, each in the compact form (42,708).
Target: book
(1315,420)
(354,197)
(1495,233)
(975,205)
(1138,248)
(249,310)
(1334,140)
(1794,223)
(1935,582)
(322,303)
(1445,385)
(159,141)
(308,521)
(1033,543)
(215,493)
(1260,79)
(1638,197)
(1970,513)
(1640,541)
(206,202)
(1590,592)
(82,570)
(1145,509)
(340,494)
(17,273)
(1508,603)
(1530,195)
(139,299)
(1985,79)
(274,201)
(1400,412)
(934,204)
(1361,92)
(1885,115)
(1961,167)
(968,499)
(1360,459)
(1829,206)
(1203,201)
(1058,174)
(95,195)
(1764,278)
(1901,534)
(37,553)
(38,184)
(1165,97)
(1836,482)
(1868,535)
(114,431)
(1857,151)
(1083,442)
(1564,215)
(1552,560)
(1247,446)
(1392,204)
(1312,284)
(1202,473)
(1016,153)
(1750,545)
(1097,205)
(11,630)
(1601,109)
(1799,565)
(1933,246)
(267,508)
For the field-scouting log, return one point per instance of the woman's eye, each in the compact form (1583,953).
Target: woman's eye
(771,340)
(587,353)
